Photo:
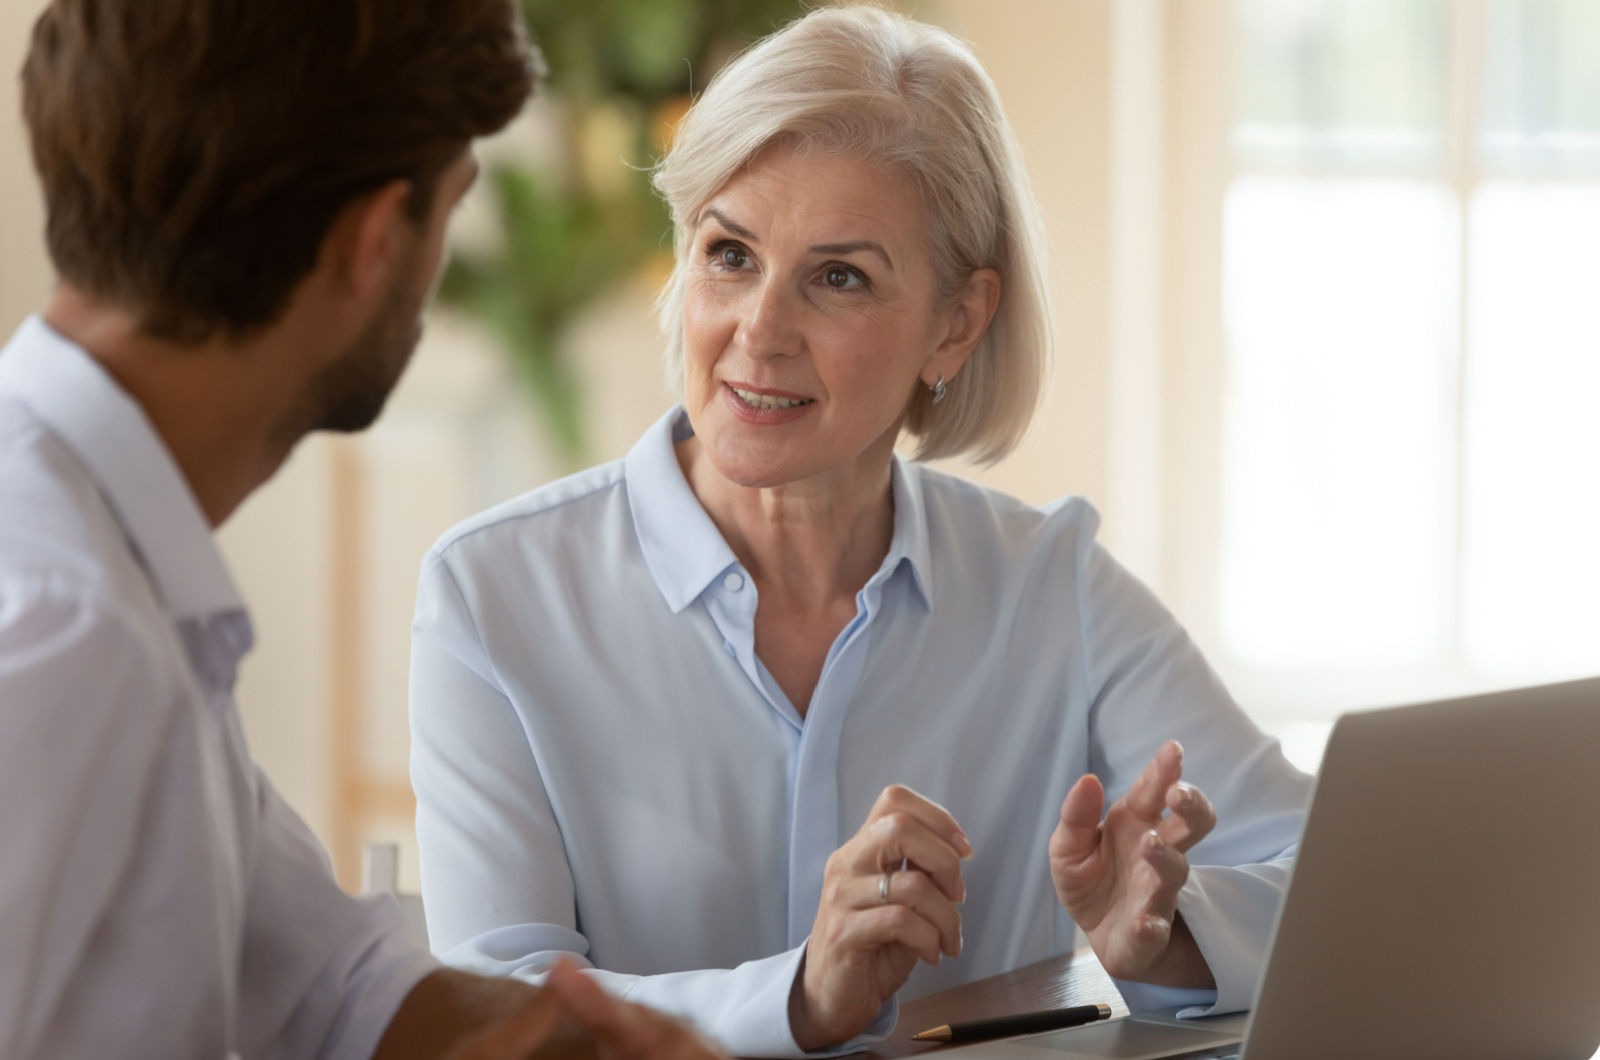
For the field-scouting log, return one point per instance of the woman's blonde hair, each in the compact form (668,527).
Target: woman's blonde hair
(873,85)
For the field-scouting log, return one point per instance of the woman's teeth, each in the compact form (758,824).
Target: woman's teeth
(767,401)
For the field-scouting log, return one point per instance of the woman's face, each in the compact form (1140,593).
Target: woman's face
(809,317)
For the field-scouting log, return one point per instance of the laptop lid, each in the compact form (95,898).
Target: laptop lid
(1446,897)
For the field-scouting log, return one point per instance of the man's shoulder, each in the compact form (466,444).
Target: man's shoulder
(57,533)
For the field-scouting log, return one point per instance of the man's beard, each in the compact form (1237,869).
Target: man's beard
(349,393)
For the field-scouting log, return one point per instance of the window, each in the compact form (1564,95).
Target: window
(1411,274)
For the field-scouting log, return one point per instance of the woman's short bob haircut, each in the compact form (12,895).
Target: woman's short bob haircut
(876,86)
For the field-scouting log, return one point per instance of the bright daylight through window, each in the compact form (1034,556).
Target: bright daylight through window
(1411,487)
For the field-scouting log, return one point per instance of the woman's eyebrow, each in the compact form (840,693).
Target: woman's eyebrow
(851,248)
(727,222)
(821,248)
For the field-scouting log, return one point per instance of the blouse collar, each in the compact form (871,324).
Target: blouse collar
(685,551)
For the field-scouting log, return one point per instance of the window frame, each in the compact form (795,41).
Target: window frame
(1200,104)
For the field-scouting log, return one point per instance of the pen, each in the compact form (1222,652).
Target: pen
(1010,1026)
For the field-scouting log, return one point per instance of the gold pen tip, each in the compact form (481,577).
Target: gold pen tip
(935,1034)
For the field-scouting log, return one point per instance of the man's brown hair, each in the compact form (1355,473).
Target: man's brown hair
(194,153)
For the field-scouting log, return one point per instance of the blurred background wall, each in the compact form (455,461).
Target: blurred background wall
(1329,360)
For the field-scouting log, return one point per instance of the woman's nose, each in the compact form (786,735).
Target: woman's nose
(770,327)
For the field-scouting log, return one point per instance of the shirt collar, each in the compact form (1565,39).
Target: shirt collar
(685,551)
(107,429)
(910,541)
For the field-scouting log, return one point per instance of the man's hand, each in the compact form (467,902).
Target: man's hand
(457,1016)
(889,899)
(624,1031)
(518,1037)
(1119,878)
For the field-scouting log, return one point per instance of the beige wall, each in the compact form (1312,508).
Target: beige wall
(24,269)
(1196,109)
(1051,63)
(1085,85)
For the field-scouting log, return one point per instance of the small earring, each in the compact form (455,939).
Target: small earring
(938,390)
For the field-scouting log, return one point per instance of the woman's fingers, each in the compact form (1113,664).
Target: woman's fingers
(1120,876)
(887,841)
(1151,933)
(899,799)
(892,925)
(888,900)
(1078,851)
(919,894)
(1148,796)
(1078,835)
(1192,817)
(1159,876)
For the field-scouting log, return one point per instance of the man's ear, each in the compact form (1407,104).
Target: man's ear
(969,320)
(368,240)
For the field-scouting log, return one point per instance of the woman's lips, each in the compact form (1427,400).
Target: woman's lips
(763,406)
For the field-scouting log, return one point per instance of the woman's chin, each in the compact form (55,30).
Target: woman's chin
(754,460)
(756,470)
(760,458)
(756,457)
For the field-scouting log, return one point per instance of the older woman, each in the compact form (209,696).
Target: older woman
(766,723)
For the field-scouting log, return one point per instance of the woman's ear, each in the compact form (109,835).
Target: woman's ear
(968,321)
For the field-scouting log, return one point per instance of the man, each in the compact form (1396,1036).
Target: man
(246,204)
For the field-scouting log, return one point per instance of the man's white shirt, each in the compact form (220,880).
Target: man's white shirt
(157,896)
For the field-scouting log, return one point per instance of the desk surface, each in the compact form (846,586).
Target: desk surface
(1076,979)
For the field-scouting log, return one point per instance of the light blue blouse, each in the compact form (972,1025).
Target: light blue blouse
(604,768)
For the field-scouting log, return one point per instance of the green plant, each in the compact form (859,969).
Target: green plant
(572,227)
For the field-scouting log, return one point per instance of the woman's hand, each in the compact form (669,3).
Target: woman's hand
(888,900)
(1119,878)
(574,1019)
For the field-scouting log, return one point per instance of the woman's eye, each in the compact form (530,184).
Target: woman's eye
(733,257)
(839,276)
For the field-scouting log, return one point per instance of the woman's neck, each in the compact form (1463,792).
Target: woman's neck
(806,543)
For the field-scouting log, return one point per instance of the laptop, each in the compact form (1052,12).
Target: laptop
(1445,901)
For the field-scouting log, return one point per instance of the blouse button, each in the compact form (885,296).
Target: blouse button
(733,582)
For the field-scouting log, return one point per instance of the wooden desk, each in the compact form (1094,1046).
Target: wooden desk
(1076,979)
